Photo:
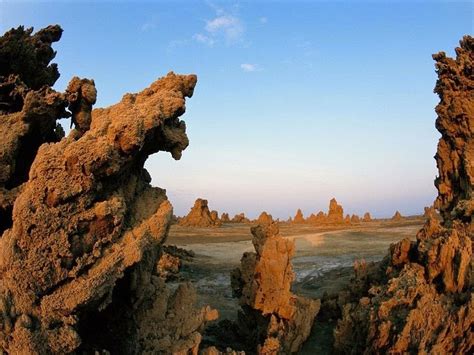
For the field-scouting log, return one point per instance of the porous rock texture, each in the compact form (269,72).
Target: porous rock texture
(273,320)
(170,261)
(419,299)
(29,108)
(77,266)
(200,216)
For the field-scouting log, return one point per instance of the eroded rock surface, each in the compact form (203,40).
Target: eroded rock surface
(78,265)
(273,320)
(170,261)
(29,107)
(420,297)
(200,216)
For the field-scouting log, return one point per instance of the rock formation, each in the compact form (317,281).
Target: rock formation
(355,219)
(397,216)
(420,297)
(225,218)
(367,217)
(347,219)
(215,217)
(200,216)
(170,261)
(335,213)
(78,263)
(240,218)
(264,218)
(29,108)
(273,320)
(455,120)
(299,218)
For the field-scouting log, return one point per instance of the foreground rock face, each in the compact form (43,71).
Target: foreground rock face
(420,297)
(29,108)
(78,265)
(455,122)
(273,320)
(200,216)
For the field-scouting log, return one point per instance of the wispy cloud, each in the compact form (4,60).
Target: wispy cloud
(227,27)
(263,20)
(207,40)
(248,67)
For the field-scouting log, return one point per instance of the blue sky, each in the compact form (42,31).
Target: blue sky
(296,102)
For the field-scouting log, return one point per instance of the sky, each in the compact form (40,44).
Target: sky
(296,101)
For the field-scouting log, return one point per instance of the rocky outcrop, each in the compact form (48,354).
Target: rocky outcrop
(273,320)
(200,216)
(225,218)
(299,218)
(355,219)
(215,217)
(335,213)
(367,217)
(455,122)
(420,297)
(240,218)
(170,261)
(347,219)
(397,216)
(29,108)
(78,265)
(264,218)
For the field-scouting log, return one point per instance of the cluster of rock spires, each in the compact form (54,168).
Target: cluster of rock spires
(420,297)
(200,216)
(83,268)
(334,216)
(82,226)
